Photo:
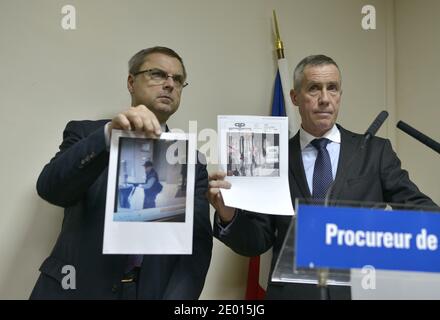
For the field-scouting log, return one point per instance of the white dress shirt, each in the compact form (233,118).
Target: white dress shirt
(309,152)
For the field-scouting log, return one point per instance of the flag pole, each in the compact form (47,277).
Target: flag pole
(279,46)
(286,81)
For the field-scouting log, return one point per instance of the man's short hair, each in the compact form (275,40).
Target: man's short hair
(148,164)
(138,59)
(313,60)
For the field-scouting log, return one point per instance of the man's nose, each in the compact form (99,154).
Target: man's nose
(324,98)
(169,83)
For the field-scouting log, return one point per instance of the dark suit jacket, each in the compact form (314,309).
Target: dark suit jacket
(375,175)
(76,179)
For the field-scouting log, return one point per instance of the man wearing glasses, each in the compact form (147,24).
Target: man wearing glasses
(76,179)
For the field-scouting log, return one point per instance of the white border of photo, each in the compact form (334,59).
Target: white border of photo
(149,237)
(264,194)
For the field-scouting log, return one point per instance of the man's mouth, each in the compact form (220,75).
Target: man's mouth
(164,97)
(324,113)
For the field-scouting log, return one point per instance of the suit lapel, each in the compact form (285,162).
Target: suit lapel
(349,145)
(296,167)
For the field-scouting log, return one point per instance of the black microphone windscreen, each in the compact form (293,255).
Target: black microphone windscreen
(377,123)
(418,136)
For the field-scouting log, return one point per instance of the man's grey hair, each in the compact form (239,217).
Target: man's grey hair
(138,59)
(313,60)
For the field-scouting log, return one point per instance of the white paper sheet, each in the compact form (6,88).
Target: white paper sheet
(133,225)
(254,153)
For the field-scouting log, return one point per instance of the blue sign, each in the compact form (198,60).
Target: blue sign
(345,238)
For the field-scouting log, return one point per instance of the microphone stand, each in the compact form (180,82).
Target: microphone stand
(322,284)
(324,272)
(371,131)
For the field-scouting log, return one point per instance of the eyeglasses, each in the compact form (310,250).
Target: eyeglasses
(158,77)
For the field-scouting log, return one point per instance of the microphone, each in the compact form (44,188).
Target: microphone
(374,127)
(427,141)
(371,131)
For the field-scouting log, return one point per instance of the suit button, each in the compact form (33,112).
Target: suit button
(115,288)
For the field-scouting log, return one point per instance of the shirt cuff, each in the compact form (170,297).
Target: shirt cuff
(107,136)
(225,227)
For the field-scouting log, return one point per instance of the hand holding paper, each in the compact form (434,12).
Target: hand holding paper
(216,183)
(138,118)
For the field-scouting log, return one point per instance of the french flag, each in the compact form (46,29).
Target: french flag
(259,267)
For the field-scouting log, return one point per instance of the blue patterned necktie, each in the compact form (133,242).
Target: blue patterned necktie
(322,174)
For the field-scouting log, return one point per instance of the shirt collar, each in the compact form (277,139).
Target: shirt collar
(334,135)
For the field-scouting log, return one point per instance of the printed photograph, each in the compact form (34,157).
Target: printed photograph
(253,154)
(151,180)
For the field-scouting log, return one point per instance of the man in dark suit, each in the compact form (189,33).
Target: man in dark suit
(320,155)
(152,186)
(76,179)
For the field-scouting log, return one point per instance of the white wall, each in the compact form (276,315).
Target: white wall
(50,76)
(418,86)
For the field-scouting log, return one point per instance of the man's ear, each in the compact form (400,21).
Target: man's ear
(294,97)
(130,81)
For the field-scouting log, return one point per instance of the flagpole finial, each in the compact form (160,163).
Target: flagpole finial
(279,46)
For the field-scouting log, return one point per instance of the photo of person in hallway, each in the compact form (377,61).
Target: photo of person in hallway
(252,154)
(150,186)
